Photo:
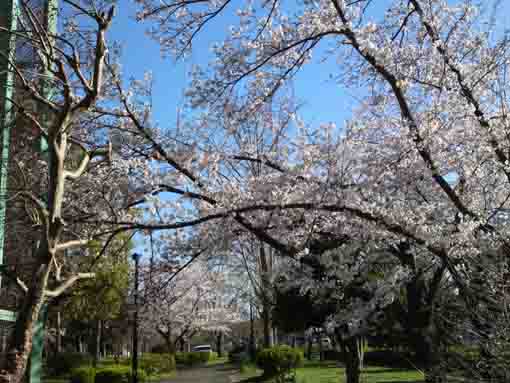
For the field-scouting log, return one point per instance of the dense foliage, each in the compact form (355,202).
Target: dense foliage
(279,360)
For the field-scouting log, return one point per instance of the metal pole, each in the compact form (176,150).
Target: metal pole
(136,258)
(8,20)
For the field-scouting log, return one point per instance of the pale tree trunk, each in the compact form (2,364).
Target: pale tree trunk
(58,346)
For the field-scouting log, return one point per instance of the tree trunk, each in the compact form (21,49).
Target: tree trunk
(58,347)
(309,348)
(423,334)
(353,359)
(20,343)
(219,344)
(266,321)
(265,266)
(321,354)
(182,343)
(252,347)
(97,343)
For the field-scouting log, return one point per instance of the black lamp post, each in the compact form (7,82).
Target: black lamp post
(136,257)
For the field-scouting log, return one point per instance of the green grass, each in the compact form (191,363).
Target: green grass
(329,372)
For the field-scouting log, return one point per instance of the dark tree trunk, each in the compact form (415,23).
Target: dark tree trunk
(182,343)
(309,348)
(265,264)
(20,343)
(353,359)
(425,339)
(321,355)
(219,344)
(266,321)
(97,343)
(252,348)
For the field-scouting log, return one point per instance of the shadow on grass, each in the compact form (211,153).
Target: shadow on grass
(382,371)
(253,379)
(403,381)
(317,364)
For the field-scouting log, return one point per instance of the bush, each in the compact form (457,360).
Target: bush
(83,375)
(153,363)
(279,360)
(247,367)
(160,349)
(118,374)
(63,363)
(193,358)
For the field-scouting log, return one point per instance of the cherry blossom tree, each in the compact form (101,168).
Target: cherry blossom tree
(422,162)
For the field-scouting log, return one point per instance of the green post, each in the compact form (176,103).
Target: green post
(8,19)
(37,347)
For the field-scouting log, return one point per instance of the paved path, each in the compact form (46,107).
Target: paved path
(221,373)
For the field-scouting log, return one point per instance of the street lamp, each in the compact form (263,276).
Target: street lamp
(136,257)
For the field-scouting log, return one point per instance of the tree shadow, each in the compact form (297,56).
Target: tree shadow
(325,364)
(404,381)
(382,371)
(253,379)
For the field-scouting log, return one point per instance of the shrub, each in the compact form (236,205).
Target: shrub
(279,360)
(117,374)
(193,358)
(160,349)
(247,367)
(63,363)
(83,375)
(153,363)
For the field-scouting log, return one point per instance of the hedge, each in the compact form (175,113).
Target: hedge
(153,363)
(117,374)
(83,375)
(194,358)
(63,363)
(279,360)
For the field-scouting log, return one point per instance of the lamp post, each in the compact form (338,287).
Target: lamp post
(136,257)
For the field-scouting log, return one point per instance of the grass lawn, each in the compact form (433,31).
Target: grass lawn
(328,372)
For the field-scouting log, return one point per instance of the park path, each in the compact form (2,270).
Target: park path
(221,373)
